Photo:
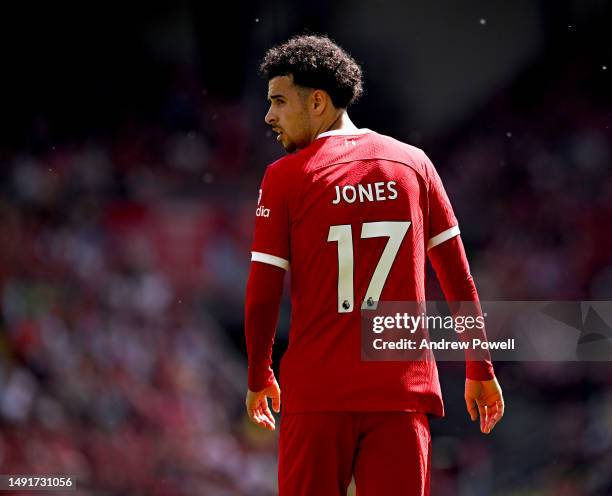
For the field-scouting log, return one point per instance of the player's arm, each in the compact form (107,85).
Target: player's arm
(483,394)
(262,303)
(270,260)
(447,255)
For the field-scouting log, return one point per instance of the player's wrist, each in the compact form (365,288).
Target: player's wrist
(479,371)
(260,382)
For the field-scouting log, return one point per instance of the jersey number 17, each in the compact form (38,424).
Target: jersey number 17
(343,235)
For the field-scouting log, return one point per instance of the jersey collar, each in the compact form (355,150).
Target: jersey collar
(343,132)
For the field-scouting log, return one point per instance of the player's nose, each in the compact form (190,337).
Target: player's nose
(270,117)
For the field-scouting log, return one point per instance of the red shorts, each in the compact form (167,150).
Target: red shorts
(388,453)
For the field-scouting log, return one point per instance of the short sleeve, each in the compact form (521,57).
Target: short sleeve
(443,224)
(272,226)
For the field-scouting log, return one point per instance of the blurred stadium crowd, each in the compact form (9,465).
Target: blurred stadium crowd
(123,262)
(115,256)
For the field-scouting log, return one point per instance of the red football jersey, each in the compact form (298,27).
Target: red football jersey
(352,216)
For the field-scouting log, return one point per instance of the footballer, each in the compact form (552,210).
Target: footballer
(353,215)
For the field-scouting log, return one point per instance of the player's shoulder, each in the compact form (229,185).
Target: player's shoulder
(395,144)
(278,164)
(289,169)
(400,151)
(286,164)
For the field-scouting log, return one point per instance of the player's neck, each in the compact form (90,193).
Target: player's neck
(336,122)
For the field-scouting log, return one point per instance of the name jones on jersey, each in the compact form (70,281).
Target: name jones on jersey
(379,191)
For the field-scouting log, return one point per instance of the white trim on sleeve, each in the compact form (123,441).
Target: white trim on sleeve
(257,256)
(442,237)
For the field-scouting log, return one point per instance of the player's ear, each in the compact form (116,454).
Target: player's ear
(318,99)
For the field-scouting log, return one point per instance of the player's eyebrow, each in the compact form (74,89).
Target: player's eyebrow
(272,97)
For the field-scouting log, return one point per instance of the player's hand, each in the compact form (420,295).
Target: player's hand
(257,406)
(484,398)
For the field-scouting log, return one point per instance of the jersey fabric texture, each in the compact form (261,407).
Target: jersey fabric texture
(328,213)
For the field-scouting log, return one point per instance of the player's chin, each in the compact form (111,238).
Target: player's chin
(289,146)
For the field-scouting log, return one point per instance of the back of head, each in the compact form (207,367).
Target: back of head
(316,62)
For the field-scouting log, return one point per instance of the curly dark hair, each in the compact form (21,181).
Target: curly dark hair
(316,62)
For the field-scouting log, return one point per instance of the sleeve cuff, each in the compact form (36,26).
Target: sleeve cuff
(479,371)
(260,383)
